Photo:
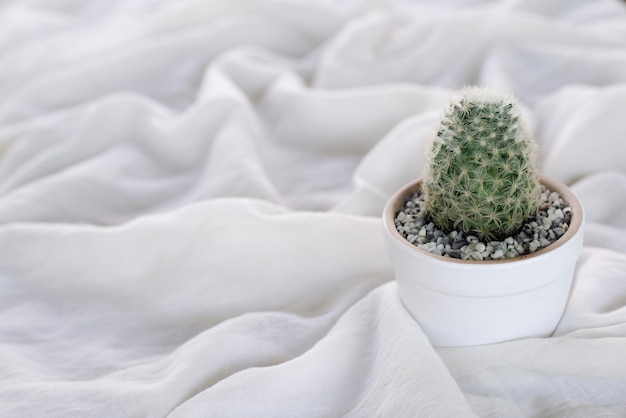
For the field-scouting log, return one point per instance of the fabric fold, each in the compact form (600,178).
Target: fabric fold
(191,192)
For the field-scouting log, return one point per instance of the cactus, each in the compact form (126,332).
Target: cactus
(481,177)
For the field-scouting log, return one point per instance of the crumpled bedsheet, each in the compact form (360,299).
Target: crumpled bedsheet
(191,191)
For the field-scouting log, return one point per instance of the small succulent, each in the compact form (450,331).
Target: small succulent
(481,177)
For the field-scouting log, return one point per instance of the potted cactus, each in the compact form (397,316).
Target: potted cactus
(482,247)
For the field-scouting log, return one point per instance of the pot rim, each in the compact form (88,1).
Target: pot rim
(398,198)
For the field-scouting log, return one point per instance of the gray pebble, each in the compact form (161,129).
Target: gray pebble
(550,224)
(454,253)
(459,243)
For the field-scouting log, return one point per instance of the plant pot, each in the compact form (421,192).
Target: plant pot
(463,302)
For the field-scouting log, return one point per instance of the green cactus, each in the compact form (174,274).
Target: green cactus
(482,178)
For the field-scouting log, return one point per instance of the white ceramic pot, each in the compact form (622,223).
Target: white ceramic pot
(463,302)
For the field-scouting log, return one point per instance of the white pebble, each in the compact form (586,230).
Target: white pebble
(476,255)
(532,247)
(554,197)
(511,254)
(538,233)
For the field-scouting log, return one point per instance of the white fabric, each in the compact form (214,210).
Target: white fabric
(190,195)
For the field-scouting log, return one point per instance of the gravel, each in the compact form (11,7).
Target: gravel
(549,225)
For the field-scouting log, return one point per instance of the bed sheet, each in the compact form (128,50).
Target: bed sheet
(191,191)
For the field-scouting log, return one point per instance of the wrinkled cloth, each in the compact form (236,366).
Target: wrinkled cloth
(191,191)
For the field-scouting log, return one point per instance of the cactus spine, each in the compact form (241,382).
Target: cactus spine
(482,178)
